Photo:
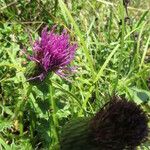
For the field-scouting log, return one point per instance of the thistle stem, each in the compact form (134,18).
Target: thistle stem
(54,109)
(56,6)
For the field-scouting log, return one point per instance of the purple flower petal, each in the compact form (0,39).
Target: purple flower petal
(53,52)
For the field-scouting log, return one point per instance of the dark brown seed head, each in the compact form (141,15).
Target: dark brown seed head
(120,124)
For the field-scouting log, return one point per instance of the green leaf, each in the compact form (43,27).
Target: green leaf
(139,95)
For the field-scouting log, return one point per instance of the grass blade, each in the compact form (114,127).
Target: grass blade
(77,30)
(100,73)
(2,142)
(144,53)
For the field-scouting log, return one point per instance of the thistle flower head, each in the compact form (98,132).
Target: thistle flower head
(119,125)
(53,52)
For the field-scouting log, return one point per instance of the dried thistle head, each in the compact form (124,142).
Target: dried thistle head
(119,125)
(126,2)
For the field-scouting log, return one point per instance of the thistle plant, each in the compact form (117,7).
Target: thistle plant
(52,53)
(113,57)
(119,125)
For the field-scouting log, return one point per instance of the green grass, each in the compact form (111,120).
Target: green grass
(113,57)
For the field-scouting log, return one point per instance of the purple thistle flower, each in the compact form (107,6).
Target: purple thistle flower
(53,52)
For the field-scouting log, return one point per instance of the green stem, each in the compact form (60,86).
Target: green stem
(54,110)
(32,125)
(56,6)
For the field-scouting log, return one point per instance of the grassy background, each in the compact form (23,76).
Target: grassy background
(113,57)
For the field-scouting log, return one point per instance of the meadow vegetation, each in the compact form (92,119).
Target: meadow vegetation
(112,58)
